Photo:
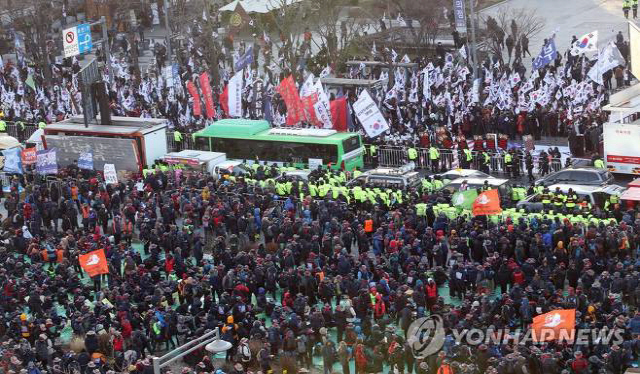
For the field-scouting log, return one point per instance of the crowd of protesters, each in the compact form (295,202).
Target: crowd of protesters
(289,278)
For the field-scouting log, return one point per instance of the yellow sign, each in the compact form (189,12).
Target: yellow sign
(235,20)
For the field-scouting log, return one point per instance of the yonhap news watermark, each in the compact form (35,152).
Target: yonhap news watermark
(428,335)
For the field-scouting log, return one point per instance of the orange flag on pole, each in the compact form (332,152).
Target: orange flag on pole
(94,262)
(487,203)
(555,325)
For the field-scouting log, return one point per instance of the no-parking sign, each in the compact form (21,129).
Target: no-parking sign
(76,40)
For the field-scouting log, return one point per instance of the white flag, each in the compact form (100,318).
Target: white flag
(307,86)
(586,43)
(406,59)
(369,115)
(463,51)
(235,95)
(608,58)
(325,72)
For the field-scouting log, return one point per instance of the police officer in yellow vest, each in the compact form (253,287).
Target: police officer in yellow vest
(571,201)
(545,198)
(558,199)
(412,154)
(3,126)
(508,163)
(598,163)
(626,5)
(177,138)
(373,152)
(42,125)
(468,158)
(434,158)
(486,160)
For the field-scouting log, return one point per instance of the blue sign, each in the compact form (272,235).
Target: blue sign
(12,160)
(461,19)
(84,38)
(85,161)
(245,60)
(46,162)
(547,55)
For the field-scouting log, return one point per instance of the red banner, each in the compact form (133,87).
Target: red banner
(207,96)
(94,263)
(197,107)
(224,100)
(28,156)
(295,111)
(308,103)
(487,204)
(339,114)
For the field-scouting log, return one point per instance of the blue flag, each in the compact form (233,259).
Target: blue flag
(245,60)
(46,162)
(12,160)
(547,55)
(85,161)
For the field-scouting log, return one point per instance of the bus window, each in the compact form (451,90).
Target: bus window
(202,144)
(275,151)
(351,144)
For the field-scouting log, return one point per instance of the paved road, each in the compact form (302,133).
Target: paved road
(570,17)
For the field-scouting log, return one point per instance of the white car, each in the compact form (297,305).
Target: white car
(463,173)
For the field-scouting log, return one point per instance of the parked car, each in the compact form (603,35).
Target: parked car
(463,173)
(402,177)
(502,185)
(596,195)
(586,176)
(297,175)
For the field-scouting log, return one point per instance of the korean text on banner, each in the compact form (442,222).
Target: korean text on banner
(110,175)
(369,115)
(207,95)
(94,263)
(197,108)
(461,19)
(235,95)
(85,161)
(29,156)
(245,60)
(46,162)
(12,160)
(295,111)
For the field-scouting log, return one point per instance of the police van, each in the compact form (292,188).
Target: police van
(401,177)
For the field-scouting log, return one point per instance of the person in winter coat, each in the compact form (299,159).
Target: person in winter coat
(91,342)
(328,356)
(344,356)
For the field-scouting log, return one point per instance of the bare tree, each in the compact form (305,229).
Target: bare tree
(517,22)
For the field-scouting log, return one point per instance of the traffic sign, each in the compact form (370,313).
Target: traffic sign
(76,40)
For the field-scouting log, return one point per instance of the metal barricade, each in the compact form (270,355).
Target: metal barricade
(186,143)
(392,157)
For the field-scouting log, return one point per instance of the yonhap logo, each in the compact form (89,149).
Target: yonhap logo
(426,336)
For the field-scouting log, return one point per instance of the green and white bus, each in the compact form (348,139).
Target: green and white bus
(255,139)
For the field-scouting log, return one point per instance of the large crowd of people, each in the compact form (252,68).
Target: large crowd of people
(311,276)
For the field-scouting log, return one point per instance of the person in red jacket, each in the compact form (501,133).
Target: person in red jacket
(379,309)
(169,263)
(579,365)
(431,293)
(118,342)
(518,276)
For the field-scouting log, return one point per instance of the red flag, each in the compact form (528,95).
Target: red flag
(28,156)
(94,262)
(487,203)
(197,109)
(310,112)
(295,111)
(224,100)
(339,114)
(207,95)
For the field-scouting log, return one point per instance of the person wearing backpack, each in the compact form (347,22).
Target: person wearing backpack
(244,351)
(302,351)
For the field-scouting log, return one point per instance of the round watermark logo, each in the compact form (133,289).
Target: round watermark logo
(426,336)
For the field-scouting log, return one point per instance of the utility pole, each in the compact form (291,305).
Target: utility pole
(166,24)
(105,47)
(474,44)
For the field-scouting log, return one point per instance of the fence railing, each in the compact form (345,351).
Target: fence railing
(19,132)
(451,159)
